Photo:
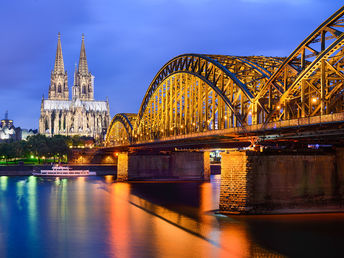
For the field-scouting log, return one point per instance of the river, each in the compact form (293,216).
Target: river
(99,217)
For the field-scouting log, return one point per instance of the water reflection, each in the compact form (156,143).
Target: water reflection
(4,214)
(98,217)
(218,236)
(80,195)
(32,198)
(20,193)
(119,227)
(3,183)
(109,179)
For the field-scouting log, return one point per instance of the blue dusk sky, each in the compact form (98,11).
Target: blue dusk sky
(127,41)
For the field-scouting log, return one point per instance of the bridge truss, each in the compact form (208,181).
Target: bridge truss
(195,93)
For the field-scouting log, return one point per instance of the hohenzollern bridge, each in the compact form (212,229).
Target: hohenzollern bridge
(237,98)
(291,107)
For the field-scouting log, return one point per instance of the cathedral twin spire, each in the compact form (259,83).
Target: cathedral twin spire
(59,65)
(83,68)
(83,80)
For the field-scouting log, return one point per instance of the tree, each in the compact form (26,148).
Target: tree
(7,151)
(58,146)
(38,146)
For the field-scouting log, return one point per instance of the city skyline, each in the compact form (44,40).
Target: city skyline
(127,44)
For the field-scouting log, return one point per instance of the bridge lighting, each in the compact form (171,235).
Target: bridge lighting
(314,100)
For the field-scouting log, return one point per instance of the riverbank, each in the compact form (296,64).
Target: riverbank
(26,170)
(102,170)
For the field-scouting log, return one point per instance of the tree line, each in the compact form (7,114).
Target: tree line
(41,147)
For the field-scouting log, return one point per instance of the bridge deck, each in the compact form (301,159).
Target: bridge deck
(308,130)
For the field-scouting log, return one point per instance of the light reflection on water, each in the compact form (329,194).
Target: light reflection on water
(98,217)
(3,183)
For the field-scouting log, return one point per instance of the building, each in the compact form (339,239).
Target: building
(7,129)
(8,132)
(81,115)
(25,133)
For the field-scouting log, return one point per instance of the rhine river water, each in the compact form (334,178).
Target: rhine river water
(98,217)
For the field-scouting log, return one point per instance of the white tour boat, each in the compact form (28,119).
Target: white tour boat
(63,171)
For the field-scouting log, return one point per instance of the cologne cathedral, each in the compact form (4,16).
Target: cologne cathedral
(82,115)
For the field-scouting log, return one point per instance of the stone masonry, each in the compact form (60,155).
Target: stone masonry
(234,179)
(177,165)
(253,183)
(122,166)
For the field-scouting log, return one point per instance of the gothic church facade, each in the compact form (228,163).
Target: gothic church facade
(82,115)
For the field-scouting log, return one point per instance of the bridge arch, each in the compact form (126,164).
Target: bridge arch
(295,89)
(120,129)
(195,93)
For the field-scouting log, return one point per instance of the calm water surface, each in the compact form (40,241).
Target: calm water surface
(97,217)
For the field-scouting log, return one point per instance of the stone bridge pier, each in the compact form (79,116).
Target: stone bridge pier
(186,165)
(265,183)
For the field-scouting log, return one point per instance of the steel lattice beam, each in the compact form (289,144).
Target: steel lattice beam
(195,93)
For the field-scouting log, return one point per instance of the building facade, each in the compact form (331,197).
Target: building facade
(82,115)
(8,132)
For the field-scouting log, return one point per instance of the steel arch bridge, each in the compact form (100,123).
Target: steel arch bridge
(194,93)
(120,129)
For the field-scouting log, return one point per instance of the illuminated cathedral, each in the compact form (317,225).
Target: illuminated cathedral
(82,115)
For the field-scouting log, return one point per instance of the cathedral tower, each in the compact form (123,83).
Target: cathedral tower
(83,88)
(82,115)
(58,88)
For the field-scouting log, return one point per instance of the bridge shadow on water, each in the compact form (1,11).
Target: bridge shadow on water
(299,235)
(191,206)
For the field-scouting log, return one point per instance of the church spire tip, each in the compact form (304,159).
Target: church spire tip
(83,67)
(59,65)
